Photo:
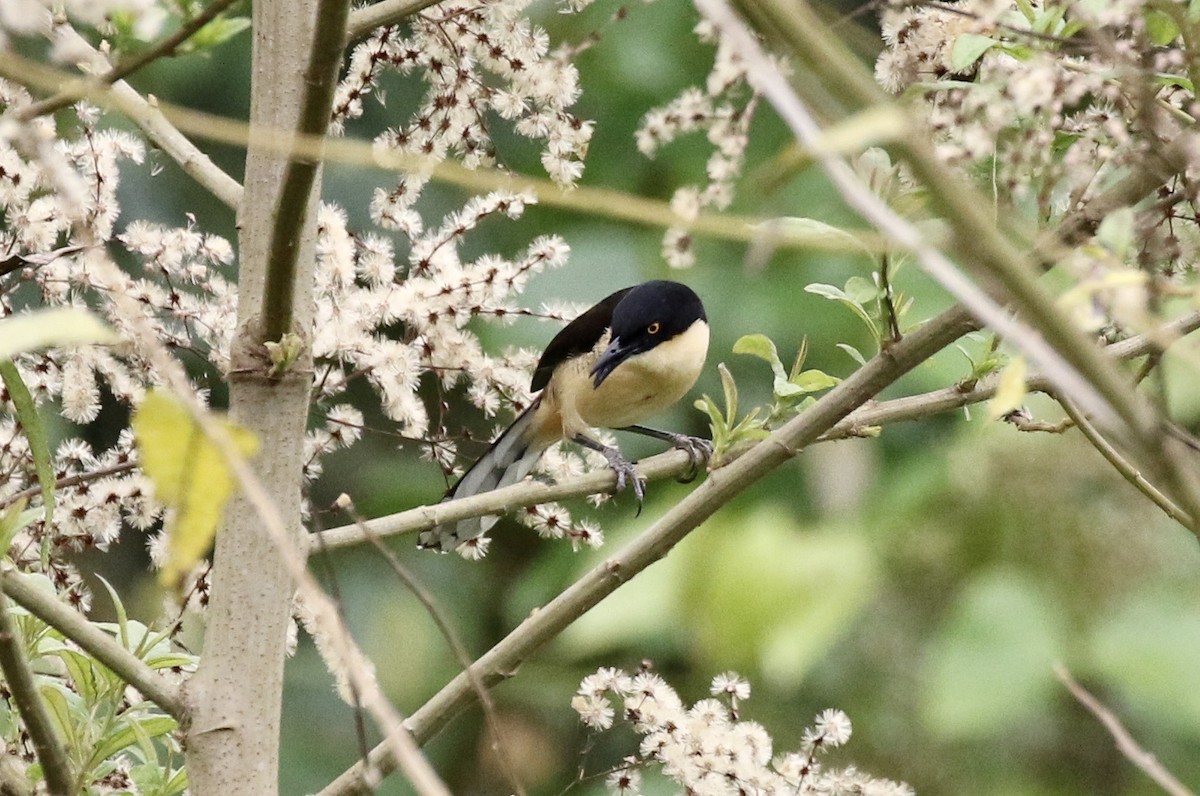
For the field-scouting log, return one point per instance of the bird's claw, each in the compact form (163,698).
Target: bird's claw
(627,475)
(698,450)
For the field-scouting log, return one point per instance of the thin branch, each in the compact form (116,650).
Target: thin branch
(24,590)
(720,487)
(19,677)
(1146,762)
(127,67)
(296,186)
(388,12)
(674,463)
(1125,467)
(461,654)
(122,97)
(70,480)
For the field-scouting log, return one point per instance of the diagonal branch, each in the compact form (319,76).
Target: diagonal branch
(1126,745)
(127,67)
(23,589)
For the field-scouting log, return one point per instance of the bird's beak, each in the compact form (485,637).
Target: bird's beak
(614,355)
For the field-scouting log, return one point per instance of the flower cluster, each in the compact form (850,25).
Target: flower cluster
(723,109)
(1053,104)
(476,60)
(708,749)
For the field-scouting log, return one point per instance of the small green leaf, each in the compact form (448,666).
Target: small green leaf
(216,33)
(759,345)
(861,291)
(853,352)
(119,609)
(49,328)
(80,669)
(731,392)
(969,48)
(12,520)
(128,733)
(1161,27)
(815,381)
(35,433)
(827,291)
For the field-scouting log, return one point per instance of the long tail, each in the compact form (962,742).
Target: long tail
(510,458)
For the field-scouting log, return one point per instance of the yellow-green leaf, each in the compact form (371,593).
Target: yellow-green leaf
(47,328)
(190,476)
(1010,392)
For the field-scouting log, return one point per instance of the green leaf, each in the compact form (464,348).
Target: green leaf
(853,352)
(81,670)
(35,433)
(129,731)
(814,381)
(119,609)
(50,328)
(759,345)
(12,520)
(969,48)
(216,33)
(1161,27)
(861,291)
(827,291)
(190,475)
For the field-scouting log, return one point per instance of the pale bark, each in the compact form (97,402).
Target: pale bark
(233,740)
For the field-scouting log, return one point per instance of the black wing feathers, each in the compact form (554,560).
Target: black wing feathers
(577,337)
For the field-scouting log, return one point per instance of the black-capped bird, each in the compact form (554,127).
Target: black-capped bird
(634,354)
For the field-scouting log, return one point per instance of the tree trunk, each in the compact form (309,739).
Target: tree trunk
(235,696)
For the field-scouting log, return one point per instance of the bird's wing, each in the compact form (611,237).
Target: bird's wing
(577,337)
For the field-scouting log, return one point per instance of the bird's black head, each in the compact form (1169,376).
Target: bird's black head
(647,316)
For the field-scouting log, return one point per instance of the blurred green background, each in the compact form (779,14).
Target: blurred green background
(923,582)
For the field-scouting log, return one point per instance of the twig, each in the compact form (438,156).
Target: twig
(128,66)
(388,12)
(721,487)
(1126,745)
(674,463)
(300,174)
(137,108)
(427,600)
(70,480)
(36,718)
(1125,468)
(24,590)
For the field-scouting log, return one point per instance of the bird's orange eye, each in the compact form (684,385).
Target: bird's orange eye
(653,328)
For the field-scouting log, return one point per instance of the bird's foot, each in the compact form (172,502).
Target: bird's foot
(627,474)
(698,450)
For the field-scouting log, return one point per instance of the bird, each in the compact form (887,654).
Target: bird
(633,354)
